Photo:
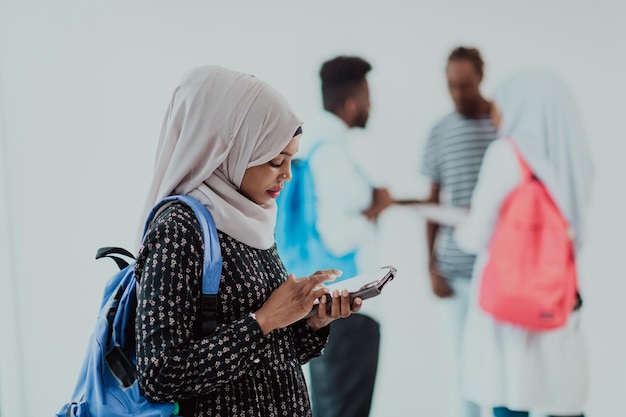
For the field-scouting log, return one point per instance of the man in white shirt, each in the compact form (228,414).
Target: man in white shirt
(342,379)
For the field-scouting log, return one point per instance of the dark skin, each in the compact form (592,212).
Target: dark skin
(294,298)
(441,287)
(354,112)
(464,86)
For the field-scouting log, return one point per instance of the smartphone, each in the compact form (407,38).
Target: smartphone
(369,290)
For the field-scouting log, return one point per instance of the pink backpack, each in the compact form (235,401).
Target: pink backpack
(530,278)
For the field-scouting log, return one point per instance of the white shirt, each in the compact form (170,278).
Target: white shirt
(343,191)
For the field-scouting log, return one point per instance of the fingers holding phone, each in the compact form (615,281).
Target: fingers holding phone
(336,305)
(293,300)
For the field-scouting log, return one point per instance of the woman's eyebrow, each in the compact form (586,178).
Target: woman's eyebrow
(286,153)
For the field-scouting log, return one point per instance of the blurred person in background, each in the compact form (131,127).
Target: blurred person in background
(348,204)
(451,161)
(514,370)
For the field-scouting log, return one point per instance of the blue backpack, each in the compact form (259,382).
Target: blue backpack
(107,384)
(297,238)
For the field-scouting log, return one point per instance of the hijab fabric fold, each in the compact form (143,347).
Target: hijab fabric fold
(220,123)
(539,114)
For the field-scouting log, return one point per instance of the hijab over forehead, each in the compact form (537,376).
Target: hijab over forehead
(219,123)
(539,113)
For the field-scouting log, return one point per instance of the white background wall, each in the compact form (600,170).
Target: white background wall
(84,86)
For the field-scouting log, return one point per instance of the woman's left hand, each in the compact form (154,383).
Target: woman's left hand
(340,308)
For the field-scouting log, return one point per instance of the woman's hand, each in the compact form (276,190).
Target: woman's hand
(293,300)
(340,308)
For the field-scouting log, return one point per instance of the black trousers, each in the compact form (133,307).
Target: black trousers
(342,379)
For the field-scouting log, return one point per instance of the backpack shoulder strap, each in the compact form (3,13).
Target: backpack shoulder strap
(212,260)
(315,147)
(527,173)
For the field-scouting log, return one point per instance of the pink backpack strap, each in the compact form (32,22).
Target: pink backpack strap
(527,173)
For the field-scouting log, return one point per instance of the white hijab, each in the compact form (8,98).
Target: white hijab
(540,115)
(220,123)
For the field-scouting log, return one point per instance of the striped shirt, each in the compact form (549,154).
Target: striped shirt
(452,157)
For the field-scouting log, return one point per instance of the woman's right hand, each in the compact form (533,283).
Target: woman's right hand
(293,300)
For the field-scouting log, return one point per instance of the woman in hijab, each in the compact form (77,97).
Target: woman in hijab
(513,370)
(227,140)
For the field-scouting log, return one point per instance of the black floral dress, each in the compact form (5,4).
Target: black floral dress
(236,371)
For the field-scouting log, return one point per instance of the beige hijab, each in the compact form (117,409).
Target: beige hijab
(220,123)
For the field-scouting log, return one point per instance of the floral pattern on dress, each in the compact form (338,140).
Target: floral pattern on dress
(235,371)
